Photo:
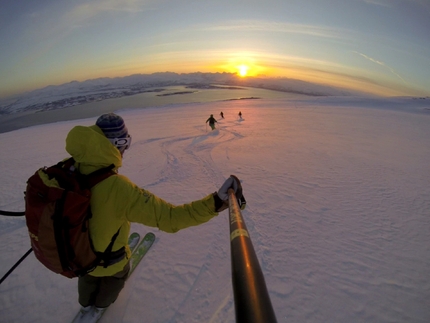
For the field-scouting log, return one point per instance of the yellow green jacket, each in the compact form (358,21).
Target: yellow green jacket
(116,201)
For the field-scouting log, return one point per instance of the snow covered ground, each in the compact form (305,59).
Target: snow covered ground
(338,211)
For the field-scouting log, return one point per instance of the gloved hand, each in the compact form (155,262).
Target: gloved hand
(221,197)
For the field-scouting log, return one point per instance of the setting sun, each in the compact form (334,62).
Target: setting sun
(243,64)
(243,70)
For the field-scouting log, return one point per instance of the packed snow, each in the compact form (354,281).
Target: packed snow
(338,211)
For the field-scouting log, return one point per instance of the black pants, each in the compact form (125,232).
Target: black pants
(101,291)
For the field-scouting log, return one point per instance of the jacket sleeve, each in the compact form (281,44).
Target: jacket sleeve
(142,206)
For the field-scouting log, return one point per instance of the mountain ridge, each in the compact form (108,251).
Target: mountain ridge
(80,92)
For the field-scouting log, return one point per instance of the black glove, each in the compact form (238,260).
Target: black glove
(221,197)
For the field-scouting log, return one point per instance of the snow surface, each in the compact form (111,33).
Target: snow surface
(338,211)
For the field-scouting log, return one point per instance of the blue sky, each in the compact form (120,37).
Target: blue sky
(379,46)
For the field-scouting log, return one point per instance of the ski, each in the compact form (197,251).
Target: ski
(141,251)
(138,248)
(133,240)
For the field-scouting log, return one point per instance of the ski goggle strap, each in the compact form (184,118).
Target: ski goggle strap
(121,143)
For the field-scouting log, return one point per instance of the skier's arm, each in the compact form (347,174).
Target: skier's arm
(171,218)
(141,206)
(144,207)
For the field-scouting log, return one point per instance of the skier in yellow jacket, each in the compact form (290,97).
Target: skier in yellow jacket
(117,201)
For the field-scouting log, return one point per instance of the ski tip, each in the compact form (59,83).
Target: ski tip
(150,235)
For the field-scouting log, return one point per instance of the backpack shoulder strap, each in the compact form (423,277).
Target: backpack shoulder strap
(90,180)
(99,175)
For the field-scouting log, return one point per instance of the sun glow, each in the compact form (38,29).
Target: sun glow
(242,64)
(243,70)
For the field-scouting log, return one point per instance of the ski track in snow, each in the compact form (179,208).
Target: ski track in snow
(338,203)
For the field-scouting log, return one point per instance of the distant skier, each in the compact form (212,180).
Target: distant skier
(240,115)
(222,115)
(212,121)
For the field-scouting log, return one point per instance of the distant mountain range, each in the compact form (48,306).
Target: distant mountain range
(75,93)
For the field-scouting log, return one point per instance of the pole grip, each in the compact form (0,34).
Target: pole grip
(251,298)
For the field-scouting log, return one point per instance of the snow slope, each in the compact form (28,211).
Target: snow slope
(338,211)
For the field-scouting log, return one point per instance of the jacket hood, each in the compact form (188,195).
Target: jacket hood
(91,149)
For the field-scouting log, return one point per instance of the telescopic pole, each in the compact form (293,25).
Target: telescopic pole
(251,298)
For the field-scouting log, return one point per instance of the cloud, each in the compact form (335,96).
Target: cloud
(279,27)
(425,4)
(57,20)
(381,64)
(93,8)
(382,3)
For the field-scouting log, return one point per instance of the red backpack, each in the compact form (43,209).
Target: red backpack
(57,212)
